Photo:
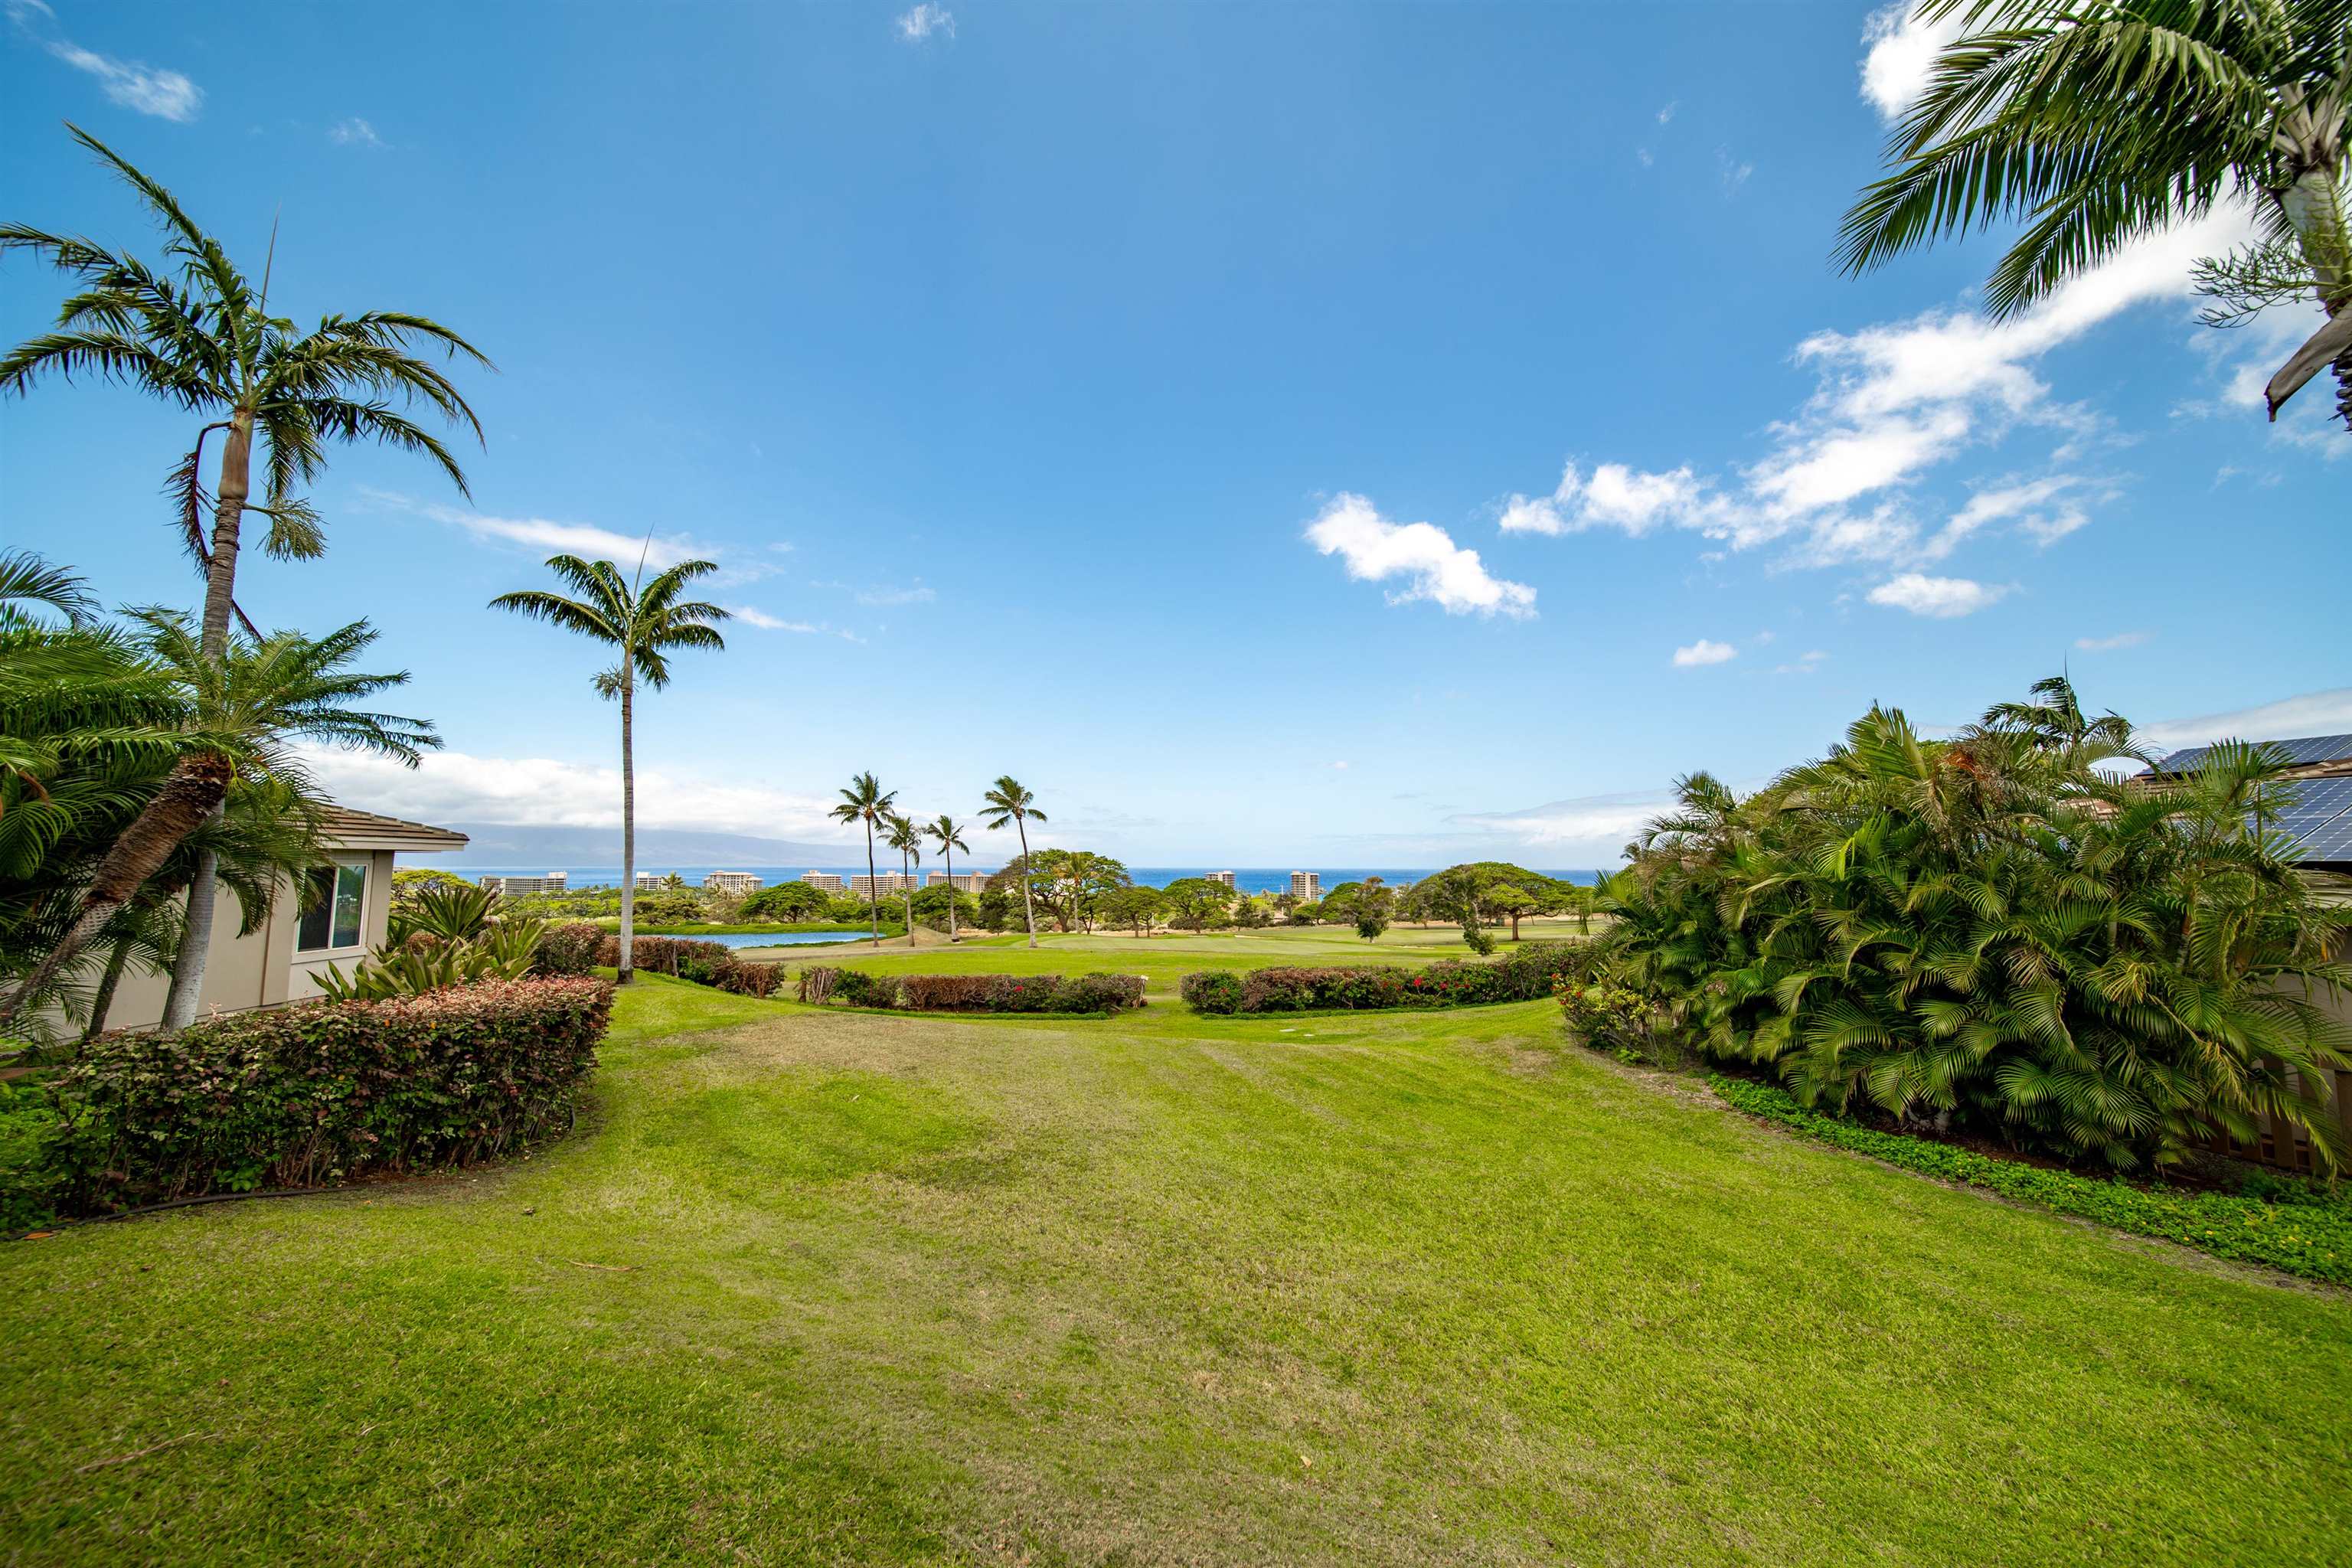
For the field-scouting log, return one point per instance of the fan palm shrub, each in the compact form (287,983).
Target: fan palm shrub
(1992,931)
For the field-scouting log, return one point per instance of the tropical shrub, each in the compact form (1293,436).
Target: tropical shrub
(1992,932)
(310,1095)
(424,961)
(974,992)
(453,912)
(1211,990)
(568,948)
(1531,972)
(2288,1226)
(856,988)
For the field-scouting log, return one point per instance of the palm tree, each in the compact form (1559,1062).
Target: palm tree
(2098,120)
(244,715)
(642,623)
(1008,802)
(949,835)
(866,802)
(908,840)
(208,344)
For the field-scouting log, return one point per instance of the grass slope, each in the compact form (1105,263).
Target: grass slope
(1418,1289)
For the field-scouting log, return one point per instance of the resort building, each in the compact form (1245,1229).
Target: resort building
(878,887)
(732,881)
(823,881)
(1223,879)
(516,887)
(350,905)
(972,882)
(647,882)
(1306,887)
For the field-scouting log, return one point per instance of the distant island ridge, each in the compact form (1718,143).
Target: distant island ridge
(591,857)
(1246,878)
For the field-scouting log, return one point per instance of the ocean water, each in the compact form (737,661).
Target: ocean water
(1248,879)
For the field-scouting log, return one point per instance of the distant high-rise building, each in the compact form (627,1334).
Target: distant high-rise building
(1225,877)
(1306,887)
(649,880)
(962,881)
(823,881)
(882,886)
(732,881)
(516,887)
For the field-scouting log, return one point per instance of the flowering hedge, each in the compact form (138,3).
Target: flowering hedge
(973,993)
(2309,1232)
(1531,971)
(313,1094)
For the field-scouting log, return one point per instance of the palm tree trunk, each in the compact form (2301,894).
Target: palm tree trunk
(195,786)
(873,890)
(1028,911)
(220,602)
(951,893)
(628,819)
(196,948)
(103,1003)
(907,875)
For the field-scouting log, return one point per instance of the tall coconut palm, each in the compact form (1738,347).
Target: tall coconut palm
(906,838)
(866,802)
(245,716)
(2098,120)
(949,835)
(642,623)
(1008,802)
(205,341)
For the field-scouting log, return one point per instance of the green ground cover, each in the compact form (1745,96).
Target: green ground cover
(1394,1288)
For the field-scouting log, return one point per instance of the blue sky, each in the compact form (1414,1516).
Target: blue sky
(1286,435)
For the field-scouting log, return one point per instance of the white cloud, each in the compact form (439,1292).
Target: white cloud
(353,133)
(546,536)
(2029,504)
(2313,713)
(1734,171)
(919,24)
(1614,497)
(1704,651)
(1425,556)
(2108,645)
(456,786)
(1342,766)
(1668,113)
(1892,403)
(1598,824)
(915,595)
(1943,598)
(1803,664)
(1903,49)
(133,84)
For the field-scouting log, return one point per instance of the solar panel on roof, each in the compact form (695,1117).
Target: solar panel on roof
(2300,752)
(2332,841)
(2310,802)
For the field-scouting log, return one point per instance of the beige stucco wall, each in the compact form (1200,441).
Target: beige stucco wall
(261,970)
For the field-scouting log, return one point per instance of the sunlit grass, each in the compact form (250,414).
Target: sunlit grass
(1426,1287)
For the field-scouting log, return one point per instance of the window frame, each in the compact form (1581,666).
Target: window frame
(339,865)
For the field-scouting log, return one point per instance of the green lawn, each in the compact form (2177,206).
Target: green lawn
(818,1288)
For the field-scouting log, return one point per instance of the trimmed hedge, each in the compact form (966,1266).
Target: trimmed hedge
(569,949)
(2309,1234)
(314,1094)
(973,993)
(1532,970)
